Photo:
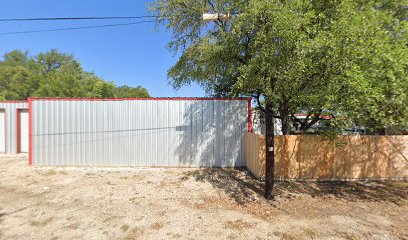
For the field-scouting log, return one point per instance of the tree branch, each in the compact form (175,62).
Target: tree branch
(315,119)
(258,101)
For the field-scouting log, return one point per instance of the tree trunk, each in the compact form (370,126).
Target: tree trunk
(284,115)
(270,157)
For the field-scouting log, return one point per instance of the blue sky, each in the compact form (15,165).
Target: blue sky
(132,55)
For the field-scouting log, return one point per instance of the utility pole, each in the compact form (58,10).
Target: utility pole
(208,17)
(269,123)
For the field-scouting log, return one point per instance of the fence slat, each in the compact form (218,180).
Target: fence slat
(342,158)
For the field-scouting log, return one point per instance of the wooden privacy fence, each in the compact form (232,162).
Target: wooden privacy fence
(304,157)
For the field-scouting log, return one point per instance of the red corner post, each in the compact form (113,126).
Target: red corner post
(30,132)
(249,115)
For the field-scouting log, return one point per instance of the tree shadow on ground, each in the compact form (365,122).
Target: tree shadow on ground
(241,187)
(238,184)
(372,191)
(2,214)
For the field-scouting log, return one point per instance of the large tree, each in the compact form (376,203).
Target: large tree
(55,74)
(347,58)
(131,92)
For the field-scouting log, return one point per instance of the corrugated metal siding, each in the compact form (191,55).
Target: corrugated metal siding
(10,108)
(139,132)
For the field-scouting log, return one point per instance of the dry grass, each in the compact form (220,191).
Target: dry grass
(41,223)
(133,200)
(156,226)
(50,173)
(135,233)
(288,235)
(46,203)
(73,226)
(238,224)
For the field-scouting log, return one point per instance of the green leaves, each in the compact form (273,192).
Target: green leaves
(375,80)
(130,92)
(54,74)
(345,58)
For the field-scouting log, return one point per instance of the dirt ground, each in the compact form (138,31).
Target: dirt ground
(108,203)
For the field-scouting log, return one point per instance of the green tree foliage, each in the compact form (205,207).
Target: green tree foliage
(54,74)
(129,92)
(374,53)
(348,58)
(344,58)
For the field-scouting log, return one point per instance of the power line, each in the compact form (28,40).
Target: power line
(76,28)
(72,18)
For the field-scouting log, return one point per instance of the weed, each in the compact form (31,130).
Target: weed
(237,224)
(157,226)
(135,233)
(73,226)
(49,173)
(288,235)
(310,232)
(41,223)
(124,227)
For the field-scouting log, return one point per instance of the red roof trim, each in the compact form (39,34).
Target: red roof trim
(124,99)
(14,101)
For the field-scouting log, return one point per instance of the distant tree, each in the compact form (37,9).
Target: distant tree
(54,74)
(17,76)
(16,57)
(131,92)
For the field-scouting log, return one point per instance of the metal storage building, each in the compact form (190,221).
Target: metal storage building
(14,127)
(167,132)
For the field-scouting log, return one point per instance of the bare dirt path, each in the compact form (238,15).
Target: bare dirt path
(90,203)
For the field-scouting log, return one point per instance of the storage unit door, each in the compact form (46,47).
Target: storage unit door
(2,131)
(23,131)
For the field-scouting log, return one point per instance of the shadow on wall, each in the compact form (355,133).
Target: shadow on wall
(140,133)
(211,134)
(342,158)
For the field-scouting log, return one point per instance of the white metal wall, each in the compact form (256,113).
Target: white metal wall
(258,123)
(10,126)
(23,131)
(2,131)
(138,132)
